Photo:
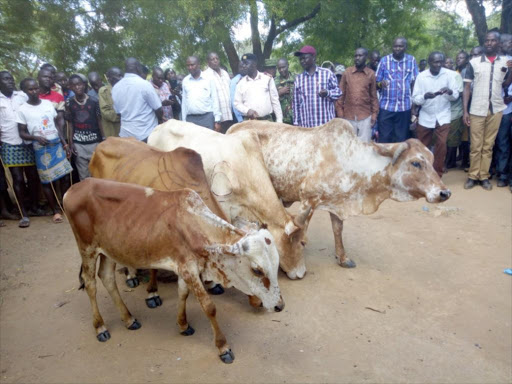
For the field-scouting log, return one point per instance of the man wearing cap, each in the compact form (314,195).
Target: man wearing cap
(315,91)
(270,67)
(256,95)
(358,102)
(339,70)
(284,84)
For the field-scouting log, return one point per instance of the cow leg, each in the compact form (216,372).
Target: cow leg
(185,328)
(132,280)
(89,280)
(337,228)
(209,309)
(107,275)
(153,300)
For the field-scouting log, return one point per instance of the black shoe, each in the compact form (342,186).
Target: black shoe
(470,183)
(486,184)
(502,183)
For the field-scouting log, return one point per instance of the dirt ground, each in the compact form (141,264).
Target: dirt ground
(428,302)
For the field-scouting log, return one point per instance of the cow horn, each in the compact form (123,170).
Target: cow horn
(300,220)
(400,149)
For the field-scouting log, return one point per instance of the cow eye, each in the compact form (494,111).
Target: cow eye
(257,271)
(416,164)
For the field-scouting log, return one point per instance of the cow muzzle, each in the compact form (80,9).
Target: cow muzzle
(280,306)
(445,194)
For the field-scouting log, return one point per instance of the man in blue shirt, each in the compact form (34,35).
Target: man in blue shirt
(137,102)
(396,75)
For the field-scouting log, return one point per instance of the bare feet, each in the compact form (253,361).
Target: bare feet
(57,218)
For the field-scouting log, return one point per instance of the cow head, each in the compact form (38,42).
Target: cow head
(251,265)
(412,173)
(292,244)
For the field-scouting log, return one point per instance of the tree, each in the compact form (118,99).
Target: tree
(477,10)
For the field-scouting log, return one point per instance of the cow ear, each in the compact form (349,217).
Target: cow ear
(290,228)
(391,150)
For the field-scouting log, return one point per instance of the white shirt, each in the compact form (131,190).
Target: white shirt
(437,109)
(39,119)
(199,96)
(222,83)
(9,107)
(509,105)
(259,94)
(136,101)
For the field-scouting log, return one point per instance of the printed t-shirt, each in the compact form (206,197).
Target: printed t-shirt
(39,119)
(85,121)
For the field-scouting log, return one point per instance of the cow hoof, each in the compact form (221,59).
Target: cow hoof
(135,325)
(217,290)
(227,357)
(188,332)
(348,264)
(153,302)
(133,282)
(103,336)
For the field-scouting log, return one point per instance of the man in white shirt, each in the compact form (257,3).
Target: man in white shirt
(137,102)
(222,82)
(434,89)
(256,94)
(200,103)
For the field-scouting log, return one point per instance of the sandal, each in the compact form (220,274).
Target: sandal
(24,222)
(57,218)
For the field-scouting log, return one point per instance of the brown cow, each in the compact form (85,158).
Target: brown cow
(131,161)
(329,168)
(145,228)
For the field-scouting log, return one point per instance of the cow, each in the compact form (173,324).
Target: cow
(329,168)
(145,228)
(131,161)
(238,178)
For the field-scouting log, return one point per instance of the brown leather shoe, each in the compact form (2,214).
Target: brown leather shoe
(470,183)
(486,184)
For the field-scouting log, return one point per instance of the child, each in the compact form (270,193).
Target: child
(37,123)
(86,128)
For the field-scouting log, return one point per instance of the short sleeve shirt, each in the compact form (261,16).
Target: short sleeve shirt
(39,119)
(85,121)
(9,107)
(56,99)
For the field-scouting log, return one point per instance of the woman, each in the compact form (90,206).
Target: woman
(37,123)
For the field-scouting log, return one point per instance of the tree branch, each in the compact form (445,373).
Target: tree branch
(299,20)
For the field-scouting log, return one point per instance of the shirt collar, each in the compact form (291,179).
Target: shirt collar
(317,69)
(258,77)
(131,75)
(365,70)
(441,72)
(484,57)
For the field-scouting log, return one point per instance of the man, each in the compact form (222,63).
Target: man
(86,130)
(339,70)
(270,67)
(242,71)
(448,63)
(358,102)
(476,52)
(504,136)
(457,127)
(110,119)
(55,87)
(487,73)
(396,74)
(45,80)
(137,103)
(256,95)
(96,83)
(433,91)
(163,91)
(374,60)
(16,156)
(422,65)
(200,103)
(284,85)
(315,91)
(221,79)
(62,80)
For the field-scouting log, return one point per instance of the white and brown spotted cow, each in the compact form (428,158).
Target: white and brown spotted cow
(239,180)
(145,228)
(329,168)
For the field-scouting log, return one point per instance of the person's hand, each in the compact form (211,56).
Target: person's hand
(41,140)
(166,103)
(322,93)
(70,148)
(509,64)
(446,90)
(251,114)
(466,119)
(217,127)
(429,95)
(384,84)
(284,91)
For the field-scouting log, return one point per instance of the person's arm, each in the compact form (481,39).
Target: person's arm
(216,107)
(382,83)
(274,99)
(184,103)
(159,115)
(153,101)
(374,100)
(25,135)
(508,76)
(71,143)
(295,103)
(419,95)
(466,93)
(238,102)
(100,124)
(340,103)
(107,108)
(333,91)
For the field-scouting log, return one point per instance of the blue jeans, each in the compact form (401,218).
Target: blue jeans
(394,126)
(503,143)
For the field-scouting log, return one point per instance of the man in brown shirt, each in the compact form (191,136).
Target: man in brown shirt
(358,102)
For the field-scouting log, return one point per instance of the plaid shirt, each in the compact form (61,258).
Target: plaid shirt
(396,97)
(222,83)
(309,109)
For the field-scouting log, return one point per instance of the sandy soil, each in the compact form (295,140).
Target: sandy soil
(428,302)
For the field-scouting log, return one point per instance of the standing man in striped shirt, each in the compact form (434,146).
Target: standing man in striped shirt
(396,75)
(315,92)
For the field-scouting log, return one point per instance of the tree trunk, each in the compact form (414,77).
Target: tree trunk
(477,11)
(506,17)
(231,53)
(255,33)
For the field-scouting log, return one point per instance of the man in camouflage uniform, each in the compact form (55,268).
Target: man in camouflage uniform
(284,84)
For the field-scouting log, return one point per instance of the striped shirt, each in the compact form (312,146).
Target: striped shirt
(309,109)
(396,97)
(222,83)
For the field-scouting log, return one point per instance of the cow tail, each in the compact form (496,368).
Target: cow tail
(80,279)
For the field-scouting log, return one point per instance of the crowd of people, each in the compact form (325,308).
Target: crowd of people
(461,109)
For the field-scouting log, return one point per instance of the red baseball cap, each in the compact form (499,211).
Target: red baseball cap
(306,49)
